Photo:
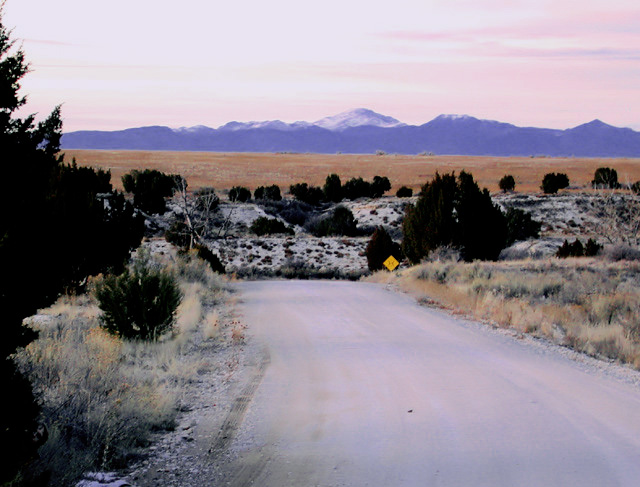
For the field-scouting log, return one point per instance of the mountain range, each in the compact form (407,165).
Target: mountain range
(363,131)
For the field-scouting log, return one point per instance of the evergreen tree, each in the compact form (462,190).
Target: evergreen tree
(333,188)
(58,224)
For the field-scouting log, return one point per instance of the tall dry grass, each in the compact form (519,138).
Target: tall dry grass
(102,397)
(590,305)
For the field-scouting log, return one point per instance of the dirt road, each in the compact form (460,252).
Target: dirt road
(361,386)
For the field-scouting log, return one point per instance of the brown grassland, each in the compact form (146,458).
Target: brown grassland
(223,171)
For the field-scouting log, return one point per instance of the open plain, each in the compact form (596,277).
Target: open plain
(223,171)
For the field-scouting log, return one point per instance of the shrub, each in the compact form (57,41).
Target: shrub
(311,195)
(577,249)
(333,188)
(379,186)
(553,182)
(340,222)
(140,303)
(605,178)
(239,193)
(507,183)
(455,212)
(404,192)
(267,226)
(292,211)
(150,188)
(635,187)
(212,259)
(271,193)
(520,226)
(379,248)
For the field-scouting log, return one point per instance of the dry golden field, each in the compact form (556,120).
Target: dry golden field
(223,171)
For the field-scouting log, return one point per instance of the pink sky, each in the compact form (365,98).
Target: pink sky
(120,64)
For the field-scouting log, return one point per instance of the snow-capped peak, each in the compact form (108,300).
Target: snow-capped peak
(453,116)
(356,118)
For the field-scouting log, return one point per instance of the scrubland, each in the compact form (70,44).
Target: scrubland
(103,397)
(223,171)
(590,305)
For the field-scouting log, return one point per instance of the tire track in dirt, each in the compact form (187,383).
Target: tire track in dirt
(234,418)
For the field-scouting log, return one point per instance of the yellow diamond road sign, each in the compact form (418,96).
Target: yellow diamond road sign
(391,263)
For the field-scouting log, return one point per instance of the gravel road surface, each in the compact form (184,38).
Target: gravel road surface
(360,386)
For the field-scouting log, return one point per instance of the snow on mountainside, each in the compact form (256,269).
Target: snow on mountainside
(357,118)
(362,131)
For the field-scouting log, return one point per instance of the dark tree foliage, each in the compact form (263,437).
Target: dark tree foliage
(140,303)
(239,193)
(340,222)
(312,195)
(268,226)
(553,182)
(332,188)
(206,254)
(150,188)
(520,226)
(379,248)
(577,249)
(271,193)
(635,187)
(58,224)
(507,183)
(379,186)
(605,178)
(404,192)
(454,211)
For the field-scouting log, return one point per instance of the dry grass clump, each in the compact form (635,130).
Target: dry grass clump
(101,396)
(592,306)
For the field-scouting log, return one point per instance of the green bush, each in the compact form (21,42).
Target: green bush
(404,192)
(150,188)
(239,193)
(635,187)
(454,212)
(379,248)
(520,226)
(212,259)
(359,188)
(340,222)
(576,249)
(271,193)
(268,226)
(507,183)
(553,182)
(332,188)
(605,178)
(140,303)
(312,195)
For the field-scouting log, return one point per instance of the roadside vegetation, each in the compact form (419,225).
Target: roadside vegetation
(103,389)
(589,305)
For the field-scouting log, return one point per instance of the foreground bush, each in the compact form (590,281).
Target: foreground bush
(140,303)
(507,183)
(267,193)
(311,195)
(404,192)
(239,193)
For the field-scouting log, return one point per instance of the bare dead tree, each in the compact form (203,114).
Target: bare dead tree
(619,215)
(198,210)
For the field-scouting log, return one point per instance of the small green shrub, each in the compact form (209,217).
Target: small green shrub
(553,182)
(404,192)
(520,226)
(212,259)
(340,222)
(577,249)
(140,303)
(379,248)
(605,178)
(268,226)
(239,193)
(311,195)
(271,193)
(292,211)
(507,183)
